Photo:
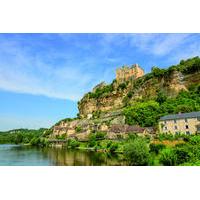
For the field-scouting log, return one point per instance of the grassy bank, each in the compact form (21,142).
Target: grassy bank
(164,150)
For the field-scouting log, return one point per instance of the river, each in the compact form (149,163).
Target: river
(20,155)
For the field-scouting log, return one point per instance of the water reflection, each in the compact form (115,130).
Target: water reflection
(30,156)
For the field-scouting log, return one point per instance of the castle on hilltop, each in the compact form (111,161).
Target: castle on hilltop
(126,73)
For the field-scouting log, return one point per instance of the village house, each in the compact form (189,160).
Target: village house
(187,123)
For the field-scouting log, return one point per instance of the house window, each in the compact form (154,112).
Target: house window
(175,127)
(187,132)
(175,121)
(186,120)
(186,126)
(165,128)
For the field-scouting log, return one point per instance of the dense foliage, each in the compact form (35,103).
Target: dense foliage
(144,113)
(147,113)
(101,91)
(24,136)
(136,152)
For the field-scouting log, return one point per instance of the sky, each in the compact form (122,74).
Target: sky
(42,76)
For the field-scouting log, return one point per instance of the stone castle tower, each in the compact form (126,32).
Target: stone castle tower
(126,73)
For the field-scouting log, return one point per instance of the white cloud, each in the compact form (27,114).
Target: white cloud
(158,44)
(22,72)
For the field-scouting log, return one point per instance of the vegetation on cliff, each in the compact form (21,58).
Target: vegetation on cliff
(147,113)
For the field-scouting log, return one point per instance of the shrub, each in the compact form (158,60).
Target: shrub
(182,154)
(156,147)
(157,72)
(113,147)
(168,157)
(92,140)
(78,129)
(129,95)
(137,152)
(121,86)
(142,113)
(100,135)
(161,97)
(194,140)
(73,143)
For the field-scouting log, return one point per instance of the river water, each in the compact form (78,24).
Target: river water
(19,155)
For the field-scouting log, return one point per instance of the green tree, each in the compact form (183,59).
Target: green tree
(161,97)
(137,152)
(143,113)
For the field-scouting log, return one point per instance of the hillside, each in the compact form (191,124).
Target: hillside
(127,106)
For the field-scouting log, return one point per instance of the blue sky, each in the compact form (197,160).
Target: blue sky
(42,76)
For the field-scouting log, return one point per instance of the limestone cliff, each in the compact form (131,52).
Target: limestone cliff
(145,87)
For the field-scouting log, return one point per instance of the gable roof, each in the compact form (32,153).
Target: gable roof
(181,116)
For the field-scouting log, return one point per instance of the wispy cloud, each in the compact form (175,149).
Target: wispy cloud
(24,71)
(158,44)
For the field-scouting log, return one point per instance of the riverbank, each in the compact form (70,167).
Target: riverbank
(137,150)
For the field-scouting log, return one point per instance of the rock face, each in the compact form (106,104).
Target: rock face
(140,88)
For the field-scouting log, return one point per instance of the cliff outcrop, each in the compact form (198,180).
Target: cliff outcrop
(145,87)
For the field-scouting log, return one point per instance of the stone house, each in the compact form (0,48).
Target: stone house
(187,123)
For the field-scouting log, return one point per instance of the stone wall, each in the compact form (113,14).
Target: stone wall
(125,73)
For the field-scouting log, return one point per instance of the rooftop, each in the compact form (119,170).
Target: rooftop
(181,116)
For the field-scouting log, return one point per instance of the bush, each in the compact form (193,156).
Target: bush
(78,129)
(157,72)
(161,97)
(156,148)
(142,113)
(137,152)
(194,140)
(167,136)
(168,157)
(113,147)
(100,91)
(92,140)
(100,135)
(130,94)
(73,143)
(121,86)
(182,154)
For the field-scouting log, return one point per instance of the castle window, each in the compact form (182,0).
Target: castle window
(175,127)
(187,132)
(186,126)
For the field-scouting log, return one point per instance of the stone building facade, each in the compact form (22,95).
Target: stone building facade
(187,123)
(126,73)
